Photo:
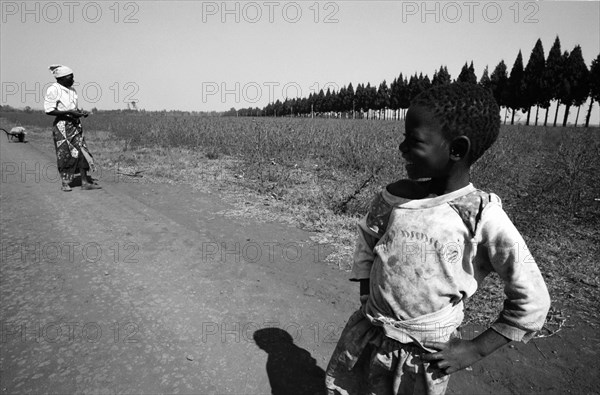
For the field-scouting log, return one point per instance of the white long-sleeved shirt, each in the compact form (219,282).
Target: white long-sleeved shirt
(60,98)
(426,254)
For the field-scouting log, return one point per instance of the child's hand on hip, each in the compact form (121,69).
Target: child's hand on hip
(455,355)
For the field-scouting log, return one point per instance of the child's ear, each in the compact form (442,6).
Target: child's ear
(459,148)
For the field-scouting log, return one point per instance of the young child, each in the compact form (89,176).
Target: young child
(425,246)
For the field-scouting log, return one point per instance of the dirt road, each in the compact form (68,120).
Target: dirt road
(151,288)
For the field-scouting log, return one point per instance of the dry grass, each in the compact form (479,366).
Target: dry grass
(320,175)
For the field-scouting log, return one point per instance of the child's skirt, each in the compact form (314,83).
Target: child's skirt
(365,361)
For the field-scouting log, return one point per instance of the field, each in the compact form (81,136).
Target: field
(320,175)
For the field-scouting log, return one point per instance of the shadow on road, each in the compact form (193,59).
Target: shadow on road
(77,181)
(291,369)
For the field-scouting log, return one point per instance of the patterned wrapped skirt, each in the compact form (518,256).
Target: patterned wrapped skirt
(72,153)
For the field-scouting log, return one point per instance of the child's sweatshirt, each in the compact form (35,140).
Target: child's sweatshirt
(424,256)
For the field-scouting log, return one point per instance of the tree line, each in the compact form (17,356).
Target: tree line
(562,77)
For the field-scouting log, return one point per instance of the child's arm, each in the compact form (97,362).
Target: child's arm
(365,286)
(363,261)
(459,354)
(504,251)
(365,290)
(527,299)
(370,230)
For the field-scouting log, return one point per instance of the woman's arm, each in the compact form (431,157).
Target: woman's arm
(77,113)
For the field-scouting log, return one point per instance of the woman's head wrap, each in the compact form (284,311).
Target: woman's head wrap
(58,70)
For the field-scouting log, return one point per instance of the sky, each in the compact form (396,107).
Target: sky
(215,55)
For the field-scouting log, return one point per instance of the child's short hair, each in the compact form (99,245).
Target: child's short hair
(464,109)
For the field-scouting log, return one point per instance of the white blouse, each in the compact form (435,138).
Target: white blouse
(60,98)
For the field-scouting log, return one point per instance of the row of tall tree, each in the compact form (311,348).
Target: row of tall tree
(562,77)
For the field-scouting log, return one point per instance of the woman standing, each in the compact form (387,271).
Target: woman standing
(72,153)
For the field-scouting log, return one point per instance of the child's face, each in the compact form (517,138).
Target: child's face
(425,149)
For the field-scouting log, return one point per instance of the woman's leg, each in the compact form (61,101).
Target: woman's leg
(66,180)
(66,164)
(86,182)
(84,165)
